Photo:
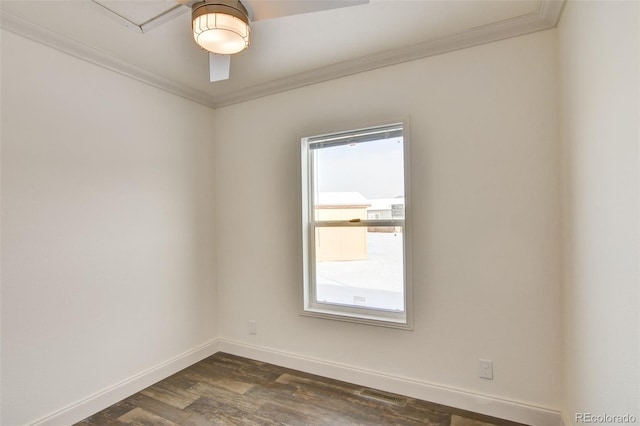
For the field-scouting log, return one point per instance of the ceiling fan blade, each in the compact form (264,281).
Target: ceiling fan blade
(267,9)
(219,66)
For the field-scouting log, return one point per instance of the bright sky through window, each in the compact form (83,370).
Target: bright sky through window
(374,168)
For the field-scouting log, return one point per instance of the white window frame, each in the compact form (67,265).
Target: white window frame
(350,313)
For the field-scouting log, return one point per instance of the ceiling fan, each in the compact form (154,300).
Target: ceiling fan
(222,27)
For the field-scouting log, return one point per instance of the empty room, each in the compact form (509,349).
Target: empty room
(308,212)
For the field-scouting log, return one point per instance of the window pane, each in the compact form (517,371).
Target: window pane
(357,267)
(349,179)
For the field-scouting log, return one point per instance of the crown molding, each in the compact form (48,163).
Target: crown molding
(545,17)
(98,57)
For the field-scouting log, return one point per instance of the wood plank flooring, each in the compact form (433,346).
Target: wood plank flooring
(229,390)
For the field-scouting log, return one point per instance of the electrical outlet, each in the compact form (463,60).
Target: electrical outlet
(253,327)
(485,369)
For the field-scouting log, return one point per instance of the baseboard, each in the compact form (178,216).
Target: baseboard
(109,396)
(491,406)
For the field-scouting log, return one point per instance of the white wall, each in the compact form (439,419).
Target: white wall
(599,77)
(486,207)
(108,250)
(107,229)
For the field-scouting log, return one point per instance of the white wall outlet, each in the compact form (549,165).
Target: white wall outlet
(485,369)
(253,327)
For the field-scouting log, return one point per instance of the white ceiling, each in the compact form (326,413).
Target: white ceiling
(285,52)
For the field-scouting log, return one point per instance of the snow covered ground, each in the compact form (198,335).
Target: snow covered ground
(376,282)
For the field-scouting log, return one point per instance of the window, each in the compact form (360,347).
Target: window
(355,226)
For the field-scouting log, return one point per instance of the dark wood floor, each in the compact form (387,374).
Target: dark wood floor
(229,390)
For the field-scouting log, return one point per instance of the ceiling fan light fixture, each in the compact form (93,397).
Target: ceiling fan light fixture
(221,27)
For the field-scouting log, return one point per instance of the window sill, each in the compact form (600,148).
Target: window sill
(367,319)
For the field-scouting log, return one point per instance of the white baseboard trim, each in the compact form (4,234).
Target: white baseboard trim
(109,396)
(483,404)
